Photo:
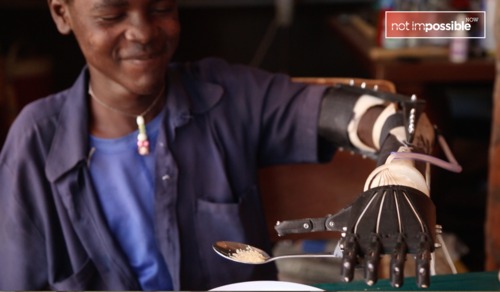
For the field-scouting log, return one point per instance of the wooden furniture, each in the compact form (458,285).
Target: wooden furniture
(315,190)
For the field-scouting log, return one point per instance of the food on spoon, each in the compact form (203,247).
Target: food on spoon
(248,255)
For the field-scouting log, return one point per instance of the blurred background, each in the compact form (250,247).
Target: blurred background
(307,38)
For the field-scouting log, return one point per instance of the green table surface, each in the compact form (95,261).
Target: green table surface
(477,281)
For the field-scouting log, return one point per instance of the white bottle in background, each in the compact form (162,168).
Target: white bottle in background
(459,45)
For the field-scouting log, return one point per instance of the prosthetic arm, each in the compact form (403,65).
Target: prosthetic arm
(394,214)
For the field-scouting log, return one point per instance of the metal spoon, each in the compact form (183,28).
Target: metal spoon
(247,254)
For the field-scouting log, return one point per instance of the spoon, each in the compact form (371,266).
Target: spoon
(247,254)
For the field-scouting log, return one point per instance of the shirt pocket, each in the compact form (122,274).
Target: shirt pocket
(85,278)
(240,221)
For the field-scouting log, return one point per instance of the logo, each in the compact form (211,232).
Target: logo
(435,24)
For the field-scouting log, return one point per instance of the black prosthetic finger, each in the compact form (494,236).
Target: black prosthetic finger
(398,262)
(423,267)
(349,258)
(372,259)
(423,260)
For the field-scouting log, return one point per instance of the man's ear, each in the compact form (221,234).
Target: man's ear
(60,15)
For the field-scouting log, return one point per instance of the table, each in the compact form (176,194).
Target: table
(479,281)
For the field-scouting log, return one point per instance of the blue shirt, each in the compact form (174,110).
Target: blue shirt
(124,182)
(221,123)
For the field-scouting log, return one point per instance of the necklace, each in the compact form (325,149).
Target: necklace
(142,137)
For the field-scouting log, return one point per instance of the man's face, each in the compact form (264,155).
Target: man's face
(126,43)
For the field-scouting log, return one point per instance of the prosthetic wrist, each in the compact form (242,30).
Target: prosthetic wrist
(376,125)
(362,120)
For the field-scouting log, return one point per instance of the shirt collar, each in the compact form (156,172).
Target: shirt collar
(70,143)
(187,96)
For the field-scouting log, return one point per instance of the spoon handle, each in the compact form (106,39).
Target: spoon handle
(304,255)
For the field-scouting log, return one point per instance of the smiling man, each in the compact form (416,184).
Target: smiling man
(126,179)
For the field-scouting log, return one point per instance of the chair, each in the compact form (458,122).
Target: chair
(315,190)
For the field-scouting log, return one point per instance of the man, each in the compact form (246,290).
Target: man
(125,180)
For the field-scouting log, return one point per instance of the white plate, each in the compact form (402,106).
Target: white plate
(266,286)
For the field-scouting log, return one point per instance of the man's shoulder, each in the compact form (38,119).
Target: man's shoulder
(41,109)
(36,121)
(213,69)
